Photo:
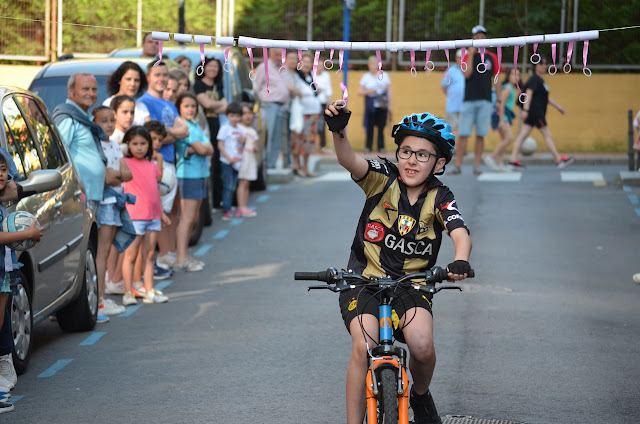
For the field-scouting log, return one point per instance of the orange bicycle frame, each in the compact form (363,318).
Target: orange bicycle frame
(372,399)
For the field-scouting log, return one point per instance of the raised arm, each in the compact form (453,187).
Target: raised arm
(349,160)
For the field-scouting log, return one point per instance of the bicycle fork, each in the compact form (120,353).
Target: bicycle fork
(385,355)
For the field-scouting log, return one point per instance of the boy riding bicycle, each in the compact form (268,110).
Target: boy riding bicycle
(399,232)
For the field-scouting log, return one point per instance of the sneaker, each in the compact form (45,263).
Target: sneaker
(165,261)
(227,216)
(564,161)
(129,299)
(160,273)
(139,292)
(155,296)
(7,369)
(636,277)
(113,288)
(424,410)
(5,385)
(188,266)
(109,307)
(5,394)
(491,163)
(248,213)
(477,171)
(6,407)
(454,170)
(101,319)
(195,261)
(517,164)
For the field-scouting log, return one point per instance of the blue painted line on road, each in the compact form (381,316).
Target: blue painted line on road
(162,284)
(628,189)
(14,399)
(638,211)
(130,310)
(274,187)
(203,249)
(53,369)
(633,199)
(236,221)
(93,338)
(262,198)
(220,234)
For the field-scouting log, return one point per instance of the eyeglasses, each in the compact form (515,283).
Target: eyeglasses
(421,155)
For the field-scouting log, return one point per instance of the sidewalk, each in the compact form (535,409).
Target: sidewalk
(318,160)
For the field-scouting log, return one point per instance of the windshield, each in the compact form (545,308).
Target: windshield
(53,91)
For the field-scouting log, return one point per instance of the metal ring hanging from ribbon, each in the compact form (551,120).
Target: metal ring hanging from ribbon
(227,66)
(340,61)
(414,71)
(329,61)
(252,72)
(345,95)
(553,57)
(496,77)
(463,63)
(567,66)
(159,53)
(586,71)
(380,71)
(446,73)
(200,68)
(316,60)
(299,65)
(522,96)
(535,57)
(284,60)
(428,64)
(481,67)
(265,58)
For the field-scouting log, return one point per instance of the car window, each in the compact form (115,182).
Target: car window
(242,71)
(53,156)
(53,91)
(20,143)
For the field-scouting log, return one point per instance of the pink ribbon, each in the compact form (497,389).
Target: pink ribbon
(265,57)
(159,53)
(226,66)
(446,73)
(284,57)
(521,96)
(340,59)
(345,95)
(585,52)
(316,60)
(414,72)
(553,57)
(252,72)
(380,72)
(299,60)
(329,61)
(567,66)
(200,69)
(495,79)
(535,57)
(426,62)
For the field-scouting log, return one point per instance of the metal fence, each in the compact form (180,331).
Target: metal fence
(41,30)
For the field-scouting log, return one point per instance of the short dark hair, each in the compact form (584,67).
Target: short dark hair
(134,131)
(99,109)
(4,160)
(185,95)
(118,100)
(144,38)
(156,127)
(153,64)
(235,108)
(113,82)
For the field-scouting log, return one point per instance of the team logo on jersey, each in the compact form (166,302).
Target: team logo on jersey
(374,232)
(450,206)
(405,224)
(387,208)
(353,305)
(422,227)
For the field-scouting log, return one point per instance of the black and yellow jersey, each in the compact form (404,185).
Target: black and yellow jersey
(394,237)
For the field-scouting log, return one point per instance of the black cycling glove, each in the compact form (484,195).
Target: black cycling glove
(337,122)
(459,267)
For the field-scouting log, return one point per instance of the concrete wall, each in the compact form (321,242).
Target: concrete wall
(596,118)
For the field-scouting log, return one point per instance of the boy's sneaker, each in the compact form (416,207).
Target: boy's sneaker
(228,215)
(491,163)
(101,319)
(129,299)
(155,296)
(109,307)
(195,261)
(113,288)
(5,394)
(454,170)
(188,266)
(424,410)
(517,164)
(564,161)
(165,261)
(160,273)
(248,213)
(6,407)
(7,370)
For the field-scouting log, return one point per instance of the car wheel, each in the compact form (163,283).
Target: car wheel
(21,324)
(81,314)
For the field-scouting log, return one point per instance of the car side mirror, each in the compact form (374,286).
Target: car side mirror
(41,181)
(248,96)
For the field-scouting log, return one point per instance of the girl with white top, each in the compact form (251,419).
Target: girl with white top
(377,102)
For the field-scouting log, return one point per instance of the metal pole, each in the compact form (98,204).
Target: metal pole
(400,29)
(631,153)
(139,25)
(232,17)
(309,20)
(60,28)
(575,27)
(218,18)
(225,17)
(481,15)
(181,18)
(47,29)
(346,28)
(563,18)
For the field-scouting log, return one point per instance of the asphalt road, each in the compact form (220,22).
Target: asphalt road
(547,333)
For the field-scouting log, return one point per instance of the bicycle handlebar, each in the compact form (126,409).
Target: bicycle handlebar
(340,280)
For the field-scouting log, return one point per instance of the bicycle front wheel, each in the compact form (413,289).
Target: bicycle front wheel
(388,397)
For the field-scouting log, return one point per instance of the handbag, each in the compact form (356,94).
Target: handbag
(296,118)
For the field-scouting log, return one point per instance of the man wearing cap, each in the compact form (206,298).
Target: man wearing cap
(476,107)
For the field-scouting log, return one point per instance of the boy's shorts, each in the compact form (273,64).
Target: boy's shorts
(108,214)
(361,300)
(478,113)
(537,121)
(192,188)
(143,225)
(168,199)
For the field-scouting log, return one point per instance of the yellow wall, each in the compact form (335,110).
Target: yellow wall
(595,120)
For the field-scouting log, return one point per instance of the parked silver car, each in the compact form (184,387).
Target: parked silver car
(58,274)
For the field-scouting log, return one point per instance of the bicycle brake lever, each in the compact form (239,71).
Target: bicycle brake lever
(448,288)
(318,288)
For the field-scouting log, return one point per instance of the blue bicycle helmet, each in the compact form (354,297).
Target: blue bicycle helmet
(427,126)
